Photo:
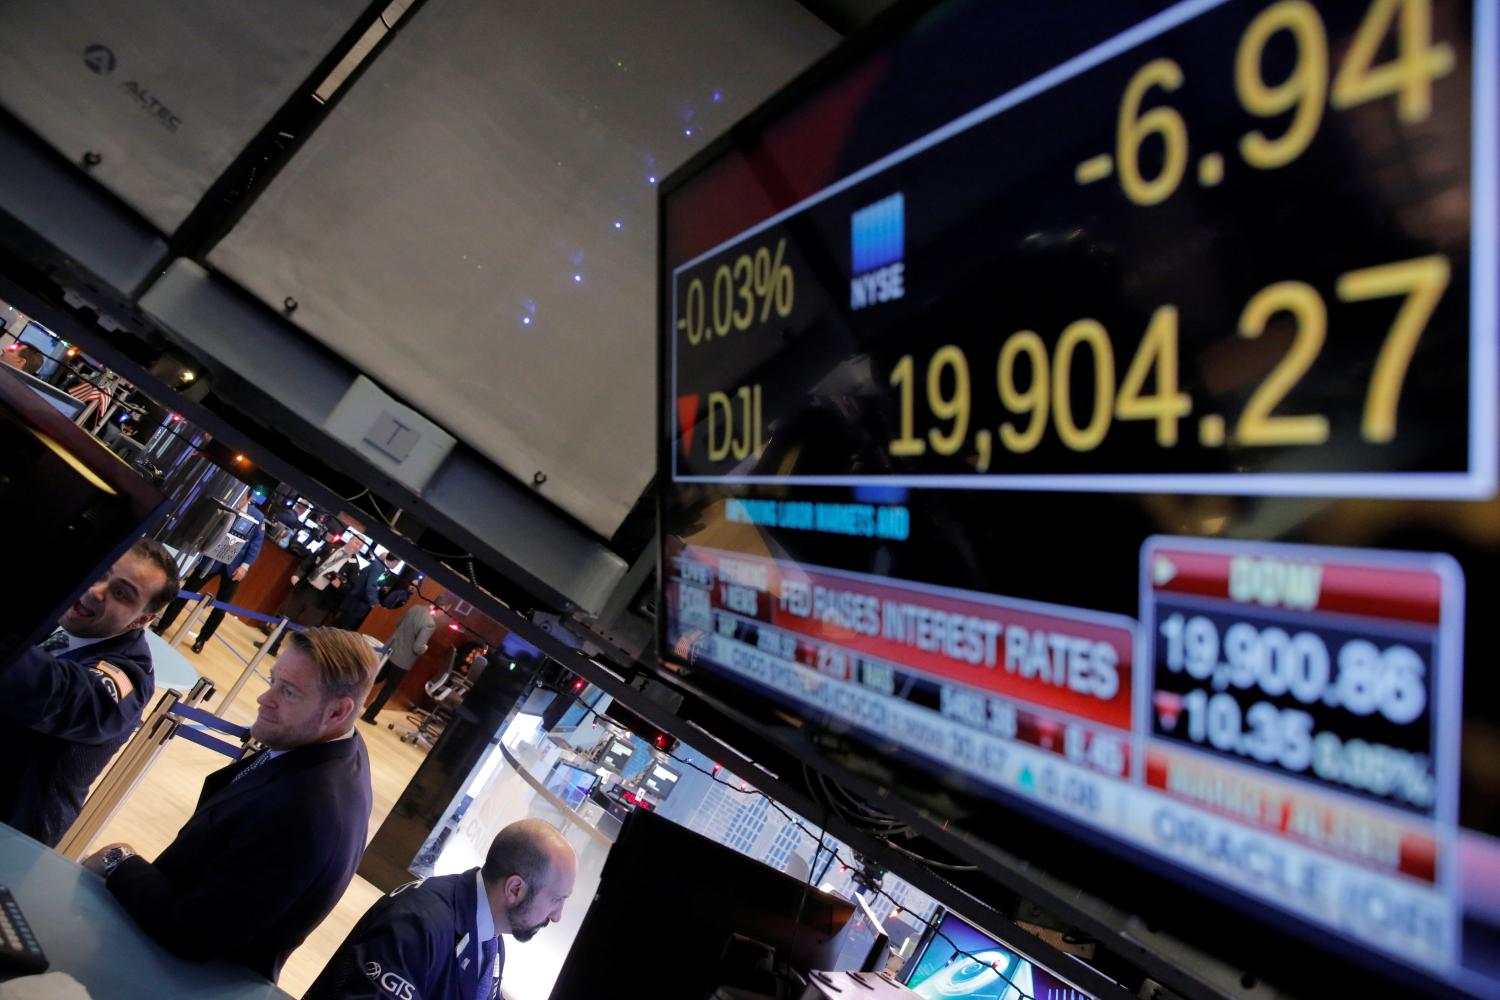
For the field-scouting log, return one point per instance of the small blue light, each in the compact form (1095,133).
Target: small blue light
(530,306)
(718,96)
(619,224)
(525,320)
(687,132)
(651,179)
(577,278)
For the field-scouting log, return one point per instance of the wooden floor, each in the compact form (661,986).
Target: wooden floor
(163,801)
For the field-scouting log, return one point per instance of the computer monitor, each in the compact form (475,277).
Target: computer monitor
(618,755)
(571,784)
(668,910)
(957,959)
(660,781)
(52,349)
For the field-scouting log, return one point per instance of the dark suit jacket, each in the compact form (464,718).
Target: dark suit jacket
(361,593)
(261,862)
(419,942)
(62,717)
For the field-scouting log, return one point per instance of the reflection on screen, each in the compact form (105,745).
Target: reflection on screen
(961,961)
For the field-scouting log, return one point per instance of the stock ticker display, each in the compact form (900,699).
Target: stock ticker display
(1098,412)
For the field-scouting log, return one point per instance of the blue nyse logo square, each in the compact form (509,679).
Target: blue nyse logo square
(878,242)
(879,232)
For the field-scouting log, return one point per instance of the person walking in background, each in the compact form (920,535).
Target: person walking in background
(410,640)
(229,576)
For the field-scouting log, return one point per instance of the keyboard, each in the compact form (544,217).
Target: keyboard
(19,952)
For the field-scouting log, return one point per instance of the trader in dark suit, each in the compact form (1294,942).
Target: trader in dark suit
(68,704)
(317,584)
(363,591)
(440,937)
(276,837)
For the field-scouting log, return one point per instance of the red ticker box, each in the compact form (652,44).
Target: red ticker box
(1069,661)
(1338,667)
(1375,838)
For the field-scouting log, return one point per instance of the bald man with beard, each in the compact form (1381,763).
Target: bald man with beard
(440,937)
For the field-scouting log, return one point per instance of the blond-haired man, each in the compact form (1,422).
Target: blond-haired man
(276,836)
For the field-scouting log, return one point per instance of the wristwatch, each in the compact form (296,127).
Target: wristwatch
(112,859)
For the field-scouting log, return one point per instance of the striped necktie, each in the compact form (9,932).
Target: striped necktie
(255,762)
(57,640)
(487,952)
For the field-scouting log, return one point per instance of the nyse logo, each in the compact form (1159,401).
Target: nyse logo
(878,244)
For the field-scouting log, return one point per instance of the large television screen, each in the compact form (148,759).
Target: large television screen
(1092,407)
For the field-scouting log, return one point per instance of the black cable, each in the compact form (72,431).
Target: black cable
(929,861)
(811,872)
(380,512)
(886,824)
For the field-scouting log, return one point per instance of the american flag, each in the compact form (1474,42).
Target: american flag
(102,391)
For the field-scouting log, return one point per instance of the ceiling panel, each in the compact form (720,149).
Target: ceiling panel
(474,224)
(159,98)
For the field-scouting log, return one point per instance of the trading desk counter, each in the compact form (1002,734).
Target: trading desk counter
(87,934)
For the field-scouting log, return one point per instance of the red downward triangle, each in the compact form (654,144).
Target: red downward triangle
(687,417)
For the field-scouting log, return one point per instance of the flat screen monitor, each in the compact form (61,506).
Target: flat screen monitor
(1097,415)
(618,755)
(660,781)
(959,960)
(41,338)
(571,784)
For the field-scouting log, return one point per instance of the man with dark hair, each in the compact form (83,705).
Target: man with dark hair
(73,700)
(229,575)
(277,835)
(363,591)
(439,937)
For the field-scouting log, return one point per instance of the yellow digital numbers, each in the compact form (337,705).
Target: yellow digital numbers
(1402,26)
(744,291)
(1134,128)
(1035,386)
(1422,282)
(1309,317)
(1305,88)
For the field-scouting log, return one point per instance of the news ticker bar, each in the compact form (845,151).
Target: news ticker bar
(1076,662)
(1100,748)
(1395,910)
(1372,838)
